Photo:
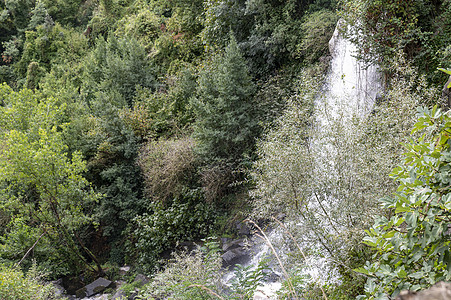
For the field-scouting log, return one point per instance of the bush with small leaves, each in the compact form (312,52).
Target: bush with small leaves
(189,276)
(15,285)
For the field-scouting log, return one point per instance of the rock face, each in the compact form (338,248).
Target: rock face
(439,291)
(93,288)
(235,252)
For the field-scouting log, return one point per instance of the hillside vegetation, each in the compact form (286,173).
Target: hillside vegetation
(129,127)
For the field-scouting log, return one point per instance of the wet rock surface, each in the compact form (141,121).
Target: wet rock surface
(235,252)
(93,288)
(439,291)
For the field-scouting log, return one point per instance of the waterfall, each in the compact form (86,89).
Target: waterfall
(348,94)
(351,86)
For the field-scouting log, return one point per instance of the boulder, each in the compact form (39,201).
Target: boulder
(119,295)
(229,245)
(243,229)
(235,256)
(439,291)
(93,288)
(141,279)
(59,289)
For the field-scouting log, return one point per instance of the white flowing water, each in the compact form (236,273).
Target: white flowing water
(351,87)
(350,90)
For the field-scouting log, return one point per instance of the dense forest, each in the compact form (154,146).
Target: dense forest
(129,128)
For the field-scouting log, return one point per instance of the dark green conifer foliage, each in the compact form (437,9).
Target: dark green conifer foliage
(117,66)
(226,123)
(113,71)
(113,169)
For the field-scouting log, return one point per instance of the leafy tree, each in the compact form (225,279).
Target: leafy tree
(49,48)
(70,12)
(383,28)
(40,180)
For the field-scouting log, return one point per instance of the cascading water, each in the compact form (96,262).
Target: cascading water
(351,87)
(350,90)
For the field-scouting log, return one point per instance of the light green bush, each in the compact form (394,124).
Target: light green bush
(15,285)
(188,276)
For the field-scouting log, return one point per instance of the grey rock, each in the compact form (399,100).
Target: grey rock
(225,240)
(235,256)
(230,245)
(99,297)
(93,288)
(59,289)
(142,279)
(243,229)
(439,291)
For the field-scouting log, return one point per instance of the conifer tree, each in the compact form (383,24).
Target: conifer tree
(226,122)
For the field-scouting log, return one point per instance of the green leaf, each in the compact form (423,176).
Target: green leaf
(417,275)
(402,273)
(362,270)
(447,71)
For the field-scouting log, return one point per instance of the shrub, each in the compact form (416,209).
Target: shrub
(187,274)
(15,285)
(166,166)
(331,176)
(186,218)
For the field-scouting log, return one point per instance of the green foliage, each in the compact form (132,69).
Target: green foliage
(247,281)
(115,68)
(40,16)
(413,243)
(165,112)
(113,72)
(40,180)
(16,14)
(48,47)
(317,28)
(447,71)
(382,28)
(15,285)
(142,24)
(221,17)
(188,275)
(70,12)
(226,123)
(186,218)
(113,150)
